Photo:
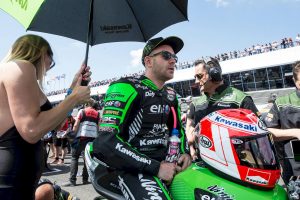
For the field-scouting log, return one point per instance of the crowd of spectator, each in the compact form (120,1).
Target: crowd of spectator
(253,50)
(259,48)
(97,83)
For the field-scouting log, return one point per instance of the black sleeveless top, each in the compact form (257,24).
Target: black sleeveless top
(21,164)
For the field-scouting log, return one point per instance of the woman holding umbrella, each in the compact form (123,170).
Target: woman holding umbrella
(26,115)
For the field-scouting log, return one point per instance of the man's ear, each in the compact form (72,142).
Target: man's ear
(148,61)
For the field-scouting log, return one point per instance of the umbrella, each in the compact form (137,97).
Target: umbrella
(97,21)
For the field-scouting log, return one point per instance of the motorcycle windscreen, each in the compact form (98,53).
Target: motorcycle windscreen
(256,152)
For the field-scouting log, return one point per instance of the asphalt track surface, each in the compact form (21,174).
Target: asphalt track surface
(61,173)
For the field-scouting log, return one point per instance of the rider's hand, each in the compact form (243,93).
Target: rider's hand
(167,171)
(86,76)
(183,162)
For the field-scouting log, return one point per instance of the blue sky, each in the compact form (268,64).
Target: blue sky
(214,26)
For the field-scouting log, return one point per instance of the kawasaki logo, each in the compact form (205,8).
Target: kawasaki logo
(205,141)
(153,142)
(132,154)
(235,124)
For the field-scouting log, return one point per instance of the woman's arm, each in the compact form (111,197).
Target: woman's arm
(23,95)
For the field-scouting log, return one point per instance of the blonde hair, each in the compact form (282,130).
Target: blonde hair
(33,49)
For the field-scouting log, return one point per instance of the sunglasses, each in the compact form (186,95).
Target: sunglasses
(166,55)
(52,64)
(198,76)
(52,61)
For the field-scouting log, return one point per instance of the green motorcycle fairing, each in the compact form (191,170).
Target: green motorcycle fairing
(200,183)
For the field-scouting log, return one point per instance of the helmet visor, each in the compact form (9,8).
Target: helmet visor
(256,152)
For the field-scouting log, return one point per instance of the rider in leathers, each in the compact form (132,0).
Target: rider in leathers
(136,124)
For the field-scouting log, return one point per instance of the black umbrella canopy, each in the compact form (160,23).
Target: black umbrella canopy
(110,20)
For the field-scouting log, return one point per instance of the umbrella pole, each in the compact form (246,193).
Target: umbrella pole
(89,35)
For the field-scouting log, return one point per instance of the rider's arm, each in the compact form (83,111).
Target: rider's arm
(111,145)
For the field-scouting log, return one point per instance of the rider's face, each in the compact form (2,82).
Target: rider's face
(163,68)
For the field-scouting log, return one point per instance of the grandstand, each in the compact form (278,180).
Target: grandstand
(258,74)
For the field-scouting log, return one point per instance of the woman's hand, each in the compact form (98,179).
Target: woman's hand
(81,93)
(84,72)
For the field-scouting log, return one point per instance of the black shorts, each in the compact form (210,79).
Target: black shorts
(60,142)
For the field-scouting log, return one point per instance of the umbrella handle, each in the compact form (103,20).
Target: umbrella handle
(84,82)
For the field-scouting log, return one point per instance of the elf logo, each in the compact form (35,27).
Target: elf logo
(159,109)
(205,141)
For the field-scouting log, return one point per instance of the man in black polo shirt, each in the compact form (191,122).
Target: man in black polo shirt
(283,121)
(217,95)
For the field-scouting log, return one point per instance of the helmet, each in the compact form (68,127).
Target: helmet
(236,143)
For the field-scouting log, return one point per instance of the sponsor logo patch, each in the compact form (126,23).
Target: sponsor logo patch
(111,112)
(258,177)
(171,97)
(153,190)
(205,141)
(114,95)
(262,125)
(106,129)
(159,109)
(113,103)
(132,154)
(146,142)
(236,141)
(224,105)
(141,86)
(220,192)
(109,120)
(235,124)
(149,94)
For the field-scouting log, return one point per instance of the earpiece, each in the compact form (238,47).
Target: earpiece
(215,73)
(214,69)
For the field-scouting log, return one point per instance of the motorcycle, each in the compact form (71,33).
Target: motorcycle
(237,162)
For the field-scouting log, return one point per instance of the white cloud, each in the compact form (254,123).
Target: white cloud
(135,62)
(136,56)
(220,3)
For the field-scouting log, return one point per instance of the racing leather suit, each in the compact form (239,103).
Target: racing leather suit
(136,124)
